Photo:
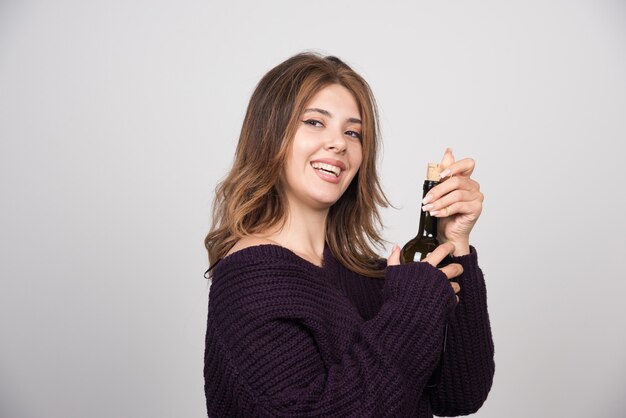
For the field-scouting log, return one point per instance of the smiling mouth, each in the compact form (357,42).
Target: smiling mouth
(327,168)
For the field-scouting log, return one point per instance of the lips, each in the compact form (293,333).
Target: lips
(328,166)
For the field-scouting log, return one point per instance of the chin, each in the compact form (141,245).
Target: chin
(324,201)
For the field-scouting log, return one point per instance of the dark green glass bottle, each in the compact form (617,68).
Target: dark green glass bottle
(419,247)
(426,239)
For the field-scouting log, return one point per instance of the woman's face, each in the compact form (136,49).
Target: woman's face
(326,151)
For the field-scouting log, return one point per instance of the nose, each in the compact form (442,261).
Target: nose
(336,142)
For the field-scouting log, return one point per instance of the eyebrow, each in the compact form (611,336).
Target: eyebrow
(327,113)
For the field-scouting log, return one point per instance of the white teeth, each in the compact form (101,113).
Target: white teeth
(327,167)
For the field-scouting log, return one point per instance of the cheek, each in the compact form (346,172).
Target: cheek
(356,156)
(302,150)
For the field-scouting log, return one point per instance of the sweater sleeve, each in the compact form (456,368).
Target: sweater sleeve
(265,344)
(468,366)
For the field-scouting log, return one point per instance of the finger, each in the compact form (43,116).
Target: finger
(452,270)
(456,287)
(447,160)
(439,253)
(394,257)
(451,198)
(452,183)
(464,167)
(474,207)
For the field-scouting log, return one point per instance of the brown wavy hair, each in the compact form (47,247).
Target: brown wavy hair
(249,200)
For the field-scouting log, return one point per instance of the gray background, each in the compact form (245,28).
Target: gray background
(118,118)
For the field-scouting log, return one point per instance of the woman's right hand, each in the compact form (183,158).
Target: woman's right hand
(451,270)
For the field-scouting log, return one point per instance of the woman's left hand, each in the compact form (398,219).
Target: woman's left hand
(456,201)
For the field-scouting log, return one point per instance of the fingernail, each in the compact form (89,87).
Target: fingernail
(434,212)
(427,199)
(428,207)
(444,173)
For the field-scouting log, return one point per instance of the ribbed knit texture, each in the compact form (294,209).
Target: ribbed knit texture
(287,338)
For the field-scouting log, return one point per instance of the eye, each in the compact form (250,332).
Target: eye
(355,134)
(313,122)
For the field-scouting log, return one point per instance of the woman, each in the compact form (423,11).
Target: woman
(304,318)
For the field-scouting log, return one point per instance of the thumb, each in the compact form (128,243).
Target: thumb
(447,160)
(394,257)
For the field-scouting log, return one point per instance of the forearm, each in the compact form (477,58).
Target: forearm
(281,355)
(468,365)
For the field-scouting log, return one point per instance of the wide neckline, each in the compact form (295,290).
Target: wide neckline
(276,249)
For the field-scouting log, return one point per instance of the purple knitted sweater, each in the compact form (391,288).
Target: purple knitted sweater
(287,338)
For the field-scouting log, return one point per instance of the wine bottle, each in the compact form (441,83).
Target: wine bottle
(426,239)
(424,243)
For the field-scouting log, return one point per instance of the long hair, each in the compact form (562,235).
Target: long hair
(249,200)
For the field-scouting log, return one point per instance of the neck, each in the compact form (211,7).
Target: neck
(304,232)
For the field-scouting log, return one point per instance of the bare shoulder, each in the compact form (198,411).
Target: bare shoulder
(249,241)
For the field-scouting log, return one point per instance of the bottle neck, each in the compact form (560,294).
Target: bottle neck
(428,224)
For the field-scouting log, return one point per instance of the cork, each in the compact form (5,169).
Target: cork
(433,171)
